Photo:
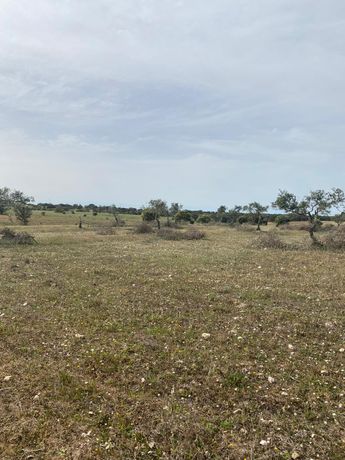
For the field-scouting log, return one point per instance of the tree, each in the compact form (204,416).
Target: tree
(159,209)
(183,216)
(114,213)
(234,214)
(204,219)
(21,206)
(174,209)
(339,205)
(221,214)
(5,199)
(256,210)
(318,203)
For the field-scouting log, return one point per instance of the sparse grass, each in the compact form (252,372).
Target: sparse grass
(129,346)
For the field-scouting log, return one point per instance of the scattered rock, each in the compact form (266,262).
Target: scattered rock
(205,335)
(7,378)
(264,442)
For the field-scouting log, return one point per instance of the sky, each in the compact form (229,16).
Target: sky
(196,101)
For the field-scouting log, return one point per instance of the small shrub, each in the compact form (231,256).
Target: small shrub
(143,227)
(335,239)
(269,240)
(8,233)
(24,238)
(10,236)
(204,219)
(183,216)
(148,215)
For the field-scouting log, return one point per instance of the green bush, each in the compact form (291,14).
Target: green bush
(204,219)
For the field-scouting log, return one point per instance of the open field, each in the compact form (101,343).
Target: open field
(127,346)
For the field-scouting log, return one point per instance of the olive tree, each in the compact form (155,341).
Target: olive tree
(5,199)
(339,205)
(20,204)
(318,203)
(256,210)
(174,209)
(159,209)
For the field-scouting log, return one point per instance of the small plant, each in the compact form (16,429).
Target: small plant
(335,239)
(142,228)
(8,233)
(10,236)
(269,240)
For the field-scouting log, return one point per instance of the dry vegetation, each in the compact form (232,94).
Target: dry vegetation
(128,346)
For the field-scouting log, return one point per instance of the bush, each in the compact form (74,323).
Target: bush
(7,233)
(269,240)
(10,236)
(148,215)
(184,216)
(143,227)
(335,239)
(204,219)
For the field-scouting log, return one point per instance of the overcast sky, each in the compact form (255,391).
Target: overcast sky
(197,101)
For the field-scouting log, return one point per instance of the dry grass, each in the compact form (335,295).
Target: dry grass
(133,347)
(175,235)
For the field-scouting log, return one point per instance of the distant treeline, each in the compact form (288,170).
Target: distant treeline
(215,216)
(65,207)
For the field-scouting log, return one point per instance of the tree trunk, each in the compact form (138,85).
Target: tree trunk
(258,228)
(158,223)
(312,232)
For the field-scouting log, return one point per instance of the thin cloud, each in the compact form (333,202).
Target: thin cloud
(204,90)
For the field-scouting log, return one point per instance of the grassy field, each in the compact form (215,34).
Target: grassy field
(128,346)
